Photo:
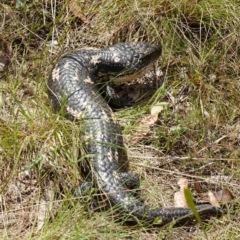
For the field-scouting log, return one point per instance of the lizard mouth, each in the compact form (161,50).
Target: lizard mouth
(127,78)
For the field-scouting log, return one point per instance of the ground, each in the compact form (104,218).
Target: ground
(196,136)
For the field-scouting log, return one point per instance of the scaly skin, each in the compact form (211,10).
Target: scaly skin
(72,85)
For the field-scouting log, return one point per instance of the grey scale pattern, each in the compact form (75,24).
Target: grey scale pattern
(73,84)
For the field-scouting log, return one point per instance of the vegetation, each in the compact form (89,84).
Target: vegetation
(198,136)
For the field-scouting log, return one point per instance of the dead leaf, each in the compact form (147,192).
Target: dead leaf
(45,208)
(179,197)
(213,200)
(42,213)
(144,127)
(183,183)
(197,186)
(180,200)
(149,121)
(77,11)
(224,196)
(159,107)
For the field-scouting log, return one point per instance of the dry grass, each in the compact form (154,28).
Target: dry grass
(197,137)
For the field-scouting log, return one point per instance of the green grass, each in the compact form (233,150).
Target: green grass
(197,136)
